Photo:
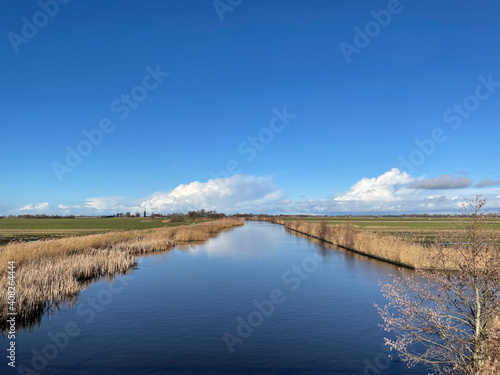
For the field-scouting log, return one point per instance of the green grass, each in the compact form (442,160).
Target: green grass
(113,223)
(30,229)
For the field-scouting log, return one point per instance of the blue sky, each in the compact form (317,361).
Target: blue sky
(420,70)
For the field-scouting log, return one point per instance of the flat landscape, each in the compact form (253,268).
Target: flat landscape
(18,229)
(250,187)
(418,229)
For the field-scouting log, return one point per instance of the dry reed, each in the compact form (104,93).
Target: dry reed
(51,271)
(492,363)
(383,247)
(394,250)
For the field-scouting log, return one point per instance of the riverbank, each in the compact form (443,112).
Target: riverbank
(385,248)
(18,229)
(412,254)
(425,230)
(397,250)
(51,271)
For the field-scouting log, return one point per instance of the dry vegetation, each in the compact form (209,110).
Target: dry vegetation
(423,230)
(408,251)
(448,321)
(453,316)
(51,271)
(383,247)
(492,363)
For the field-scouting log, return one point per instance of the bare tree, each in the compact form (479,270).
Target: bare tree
(447,320)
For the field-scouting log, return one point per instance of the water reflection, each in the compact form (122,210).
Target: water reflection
(251,242)
(171,313)
(50,309)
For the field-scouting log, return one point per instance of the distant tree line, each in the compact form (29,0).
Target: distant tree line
(425,215)
(191,215)
(176,216)
(215,215)
(43,216)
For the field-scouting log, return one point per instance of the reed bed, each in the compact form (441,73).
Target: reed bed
(50,272)
(492,362)
(383,247)
(406,252)
(45,282)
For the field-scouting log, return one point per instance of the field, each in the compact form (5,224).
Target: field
(417,229)
(34,229)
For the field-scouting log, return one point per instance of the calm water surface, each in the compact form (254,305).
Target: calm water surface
(196,310)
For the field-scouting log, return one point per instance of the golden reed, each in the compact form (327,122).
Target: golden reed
(391,249)
(387,248)
(51,271)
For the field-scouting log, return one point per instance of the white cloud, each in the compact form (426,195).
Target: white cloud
(381,188)
(238,193)
(37,207)
(394,192)
(391,192)
(108,203)
(223,194)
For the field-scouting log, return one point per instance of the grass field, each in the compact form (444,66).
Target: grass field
(420,229)
(31,229)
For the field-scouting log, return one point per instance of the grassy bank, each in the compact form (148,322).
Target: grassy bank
(51,271)
(387,248)
(406,244)
(21,229)
(423,230)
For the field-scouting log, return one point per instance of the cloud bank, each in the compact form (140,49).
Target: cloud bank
(232,194)
(393,192)
(487,182)
(441,182)
(381,188)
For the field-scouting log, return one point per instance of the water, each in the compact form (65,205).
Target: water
(182,313)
